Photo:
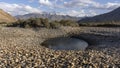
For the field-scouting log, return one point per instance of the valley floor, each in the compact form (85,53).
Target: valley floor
(22,48)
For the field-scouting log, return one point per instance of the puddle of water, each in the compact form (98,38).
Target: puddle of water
(66,44)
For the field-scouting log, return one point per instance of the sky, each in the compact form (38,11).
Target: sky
(79,8)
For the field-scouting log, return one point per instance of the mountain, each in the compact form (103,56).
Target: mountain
(107,17)
(5,17)
(50,16)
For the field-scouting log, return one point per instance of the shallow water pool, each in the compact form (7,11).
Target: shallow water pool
(66,44)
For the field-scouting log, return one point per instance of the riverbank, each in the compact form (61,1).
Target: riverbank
(22,48)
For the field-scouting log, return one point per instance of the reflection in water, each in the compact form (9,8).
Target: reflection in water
(66,44)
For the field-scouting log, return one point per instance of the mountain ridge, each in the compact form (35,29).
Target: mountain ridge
(47,15)
(106,17)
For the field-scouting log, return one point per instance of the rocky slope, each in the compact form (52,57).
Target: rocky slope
(22,48)
(5,17)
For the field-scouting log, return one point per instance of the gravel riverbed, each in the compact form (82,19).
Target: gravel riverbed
(21,48)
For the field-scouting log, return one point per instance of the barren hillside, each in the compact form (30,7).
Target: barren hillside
(5,17)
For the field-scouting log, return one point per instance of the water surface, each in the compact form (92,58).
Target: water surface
(66,44)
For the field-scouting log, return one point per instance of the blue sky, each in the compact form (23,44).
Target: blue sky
(62,7)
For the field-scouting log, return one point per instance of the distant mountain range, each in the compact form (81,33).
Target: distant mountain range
(47,15)
(5,17)
(107,17)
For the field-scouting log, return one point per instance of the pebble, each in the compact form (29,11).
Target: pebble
(18,48)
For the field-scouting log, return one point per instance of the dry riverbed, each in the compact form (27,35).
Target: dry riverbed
(22,48)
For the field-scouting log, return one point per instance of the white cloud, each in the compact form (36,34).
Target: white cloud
(90,4)
(112,5)
(78,3)
(108,6)
(65,7)
(76,13)
(91,13)
(45,2)
(80,13)
(18,9)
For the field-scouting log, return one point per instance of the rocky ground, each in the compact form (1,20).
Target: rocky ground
(21,48)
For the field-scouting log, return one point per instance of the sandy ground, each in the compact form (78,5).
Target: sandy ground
(22,48)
